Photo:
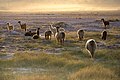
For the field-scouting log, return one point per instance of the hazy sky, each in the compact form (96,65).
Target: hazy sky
(58,5)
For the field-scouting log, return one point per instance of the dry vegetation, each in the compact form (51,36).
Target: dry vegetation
(46,60)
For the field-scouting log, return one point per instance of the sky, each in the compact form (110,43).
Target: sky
(58,5)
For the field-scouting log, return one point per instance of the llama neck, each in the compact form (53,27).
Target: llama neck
(103,20)
(8,24)
(20,24)
(38,32)
(51,27)
(57,30)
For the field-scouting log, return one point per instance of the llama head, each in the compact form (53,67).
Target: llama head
(8,23)
(102,19)
(19,21)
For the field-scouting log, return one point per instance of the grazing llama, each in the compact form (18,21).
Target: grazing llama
(80,34)
(91,47)
(104,35)
(60,36)
(48,35)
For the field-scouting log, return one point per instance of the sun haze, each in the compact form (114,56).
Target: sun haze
(58,5)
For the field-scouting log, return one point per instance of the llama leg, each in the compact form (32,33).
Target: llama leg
(61,42)
(82,37)
(54,34)
(105,38)
(58,40)
(92,54)
(102,38)
(105,26)
(25,29)
(79,38)
(50,37)
(45,37)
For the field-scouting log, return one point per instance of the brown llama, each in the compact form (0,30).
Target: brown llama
(10,27)
(60,36)
(80,34)
(104,35)
(23,26)
(106,23)
(48,35)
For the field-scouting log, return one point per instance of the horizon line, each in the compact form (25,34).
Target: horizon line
(57,11)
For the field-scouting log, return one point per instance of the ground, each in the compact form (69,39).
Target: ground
(22,58)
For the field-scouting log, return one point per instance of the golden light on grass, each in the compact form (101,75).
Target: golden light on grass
(95,72)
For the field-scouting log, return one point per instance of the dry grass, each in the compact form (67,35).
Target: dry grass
(72,64)
(95,72)
(36,77)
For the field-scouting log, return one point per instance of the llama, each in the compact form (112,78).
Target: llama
(104,35)
(60,36)
(80,34)
(106,23)
(28,33)
(48,35)
(52,29)
(10,27)
(62,29)
(91,47)
(23,26)
(36,36)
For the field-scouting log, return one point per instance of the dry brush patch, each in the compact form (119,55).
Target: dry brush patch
(72,64)
(94,72)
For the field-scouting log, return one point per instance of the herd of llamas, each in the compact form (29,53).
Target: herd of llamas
(60,35)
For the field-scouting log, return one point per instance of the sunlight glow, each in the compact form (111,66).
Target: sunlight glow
(72,5)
